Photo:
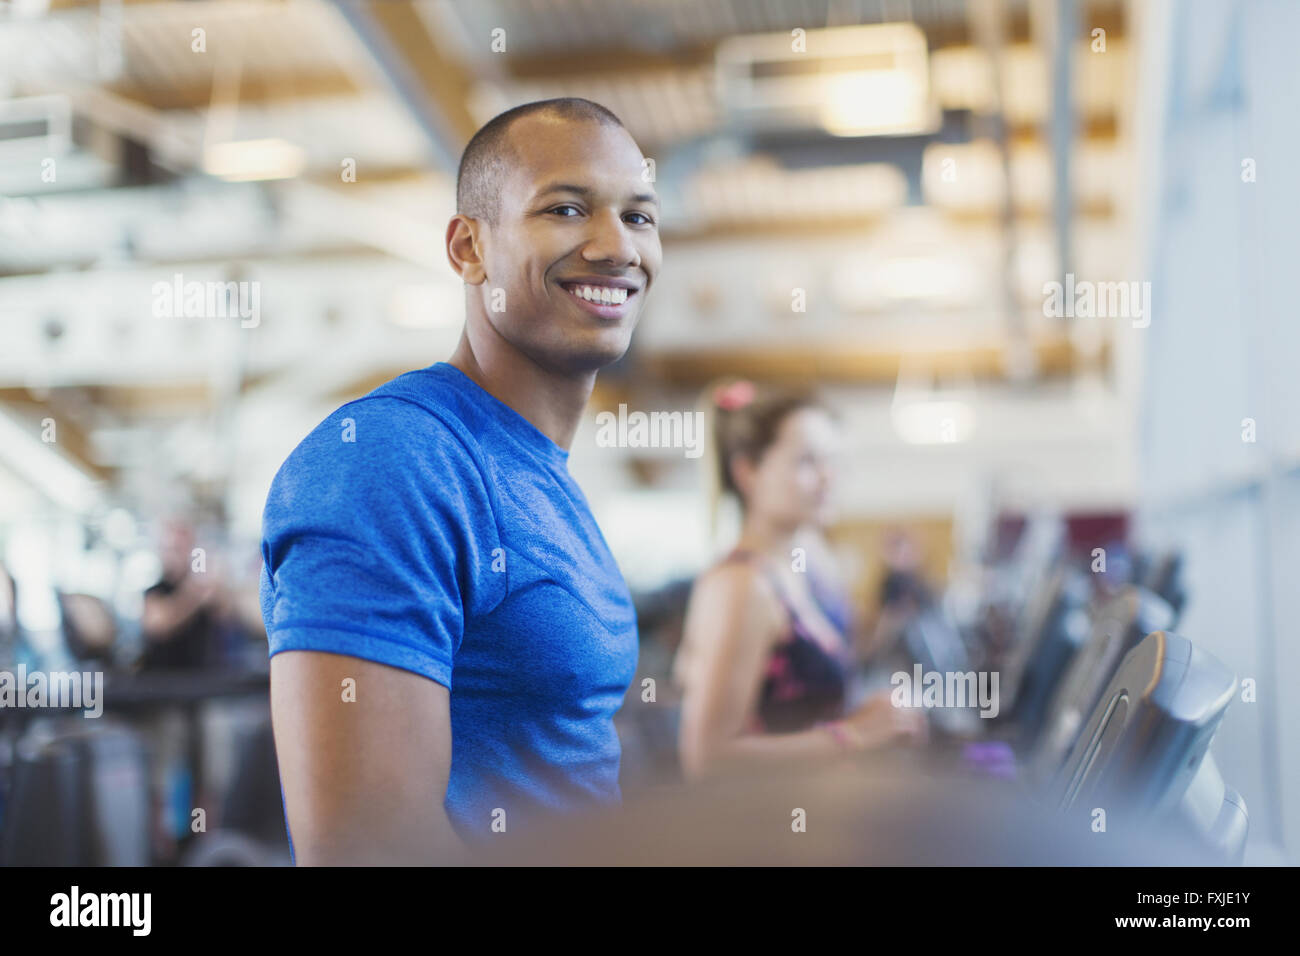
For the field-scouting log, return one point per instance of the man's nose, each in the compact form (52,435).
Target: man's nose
(611,242)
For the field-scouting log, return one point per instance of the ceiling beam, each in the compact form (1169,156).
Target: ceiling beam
(858,226)
(166,398)
(850,366)
(940,34)
(781,364)
(69,437)
(252,90)
(432,85)
(64,5)
(603,62)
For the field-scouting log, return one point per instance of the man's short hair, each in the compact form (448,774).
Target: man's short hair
(488,155)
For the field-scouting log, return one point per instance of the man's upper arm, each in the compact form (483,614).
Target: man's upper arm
(364,752)
(375,550)
(379,547)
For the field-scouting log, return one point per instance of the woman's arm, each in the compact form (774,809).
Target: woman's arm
(733,620)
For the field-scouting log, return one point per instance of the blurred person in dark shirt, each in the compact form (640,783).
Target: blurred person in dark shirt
(903,591)
(182,612)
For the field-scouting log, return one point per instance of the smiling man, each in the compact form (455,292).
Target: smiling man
(450,636)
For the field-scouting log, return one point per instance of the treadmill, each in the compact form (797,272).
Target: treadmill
(1166,578)
(1052,629)
(1144,754)
(1118,626)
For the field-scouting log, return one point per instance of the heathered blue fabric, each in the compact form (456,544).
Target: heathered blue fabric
(448,538)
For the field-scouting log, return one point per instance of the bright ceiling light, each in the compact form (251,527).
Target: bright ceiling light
(875,103)
(866,80)
(923,413)
(918,277)
(254,159)
(938,281)
(936,422)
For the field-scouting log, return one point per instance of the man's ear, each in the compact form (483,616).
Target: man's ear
(463,249)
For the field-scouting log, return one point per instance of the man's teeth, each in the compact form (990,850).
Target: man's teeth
(603,294)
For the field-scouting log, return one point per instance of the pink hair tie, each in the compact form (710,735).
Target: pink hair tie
(734,396)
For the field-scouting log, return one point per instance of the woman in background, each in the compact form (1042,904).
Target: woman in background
(766,653)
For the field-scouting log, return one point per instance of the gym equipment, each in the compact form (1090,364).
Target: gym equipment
(934,643)
(1165,578)
(1145,750)
(80,798)
(231,848)
(1118,626)
(1053,628)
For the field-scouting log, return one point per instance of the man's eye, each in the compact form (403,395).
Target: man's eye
(576,210)
(645,220)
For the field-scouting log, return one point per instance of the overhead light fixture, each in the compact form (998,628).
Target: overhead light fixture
(254,159)
(876,102)
(933,422)
(28,9)
(937,281)
(925,414)
(39,126)
(920,277)
(869,80)
(911,278)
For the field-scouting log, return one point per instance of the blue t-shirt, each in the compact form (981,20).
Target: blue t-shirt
(429,526)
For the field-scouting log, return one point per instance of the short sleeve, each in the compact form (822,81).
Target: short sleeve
(377,539)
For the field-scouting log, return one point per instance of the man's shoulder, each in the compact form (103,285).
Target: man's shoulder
(409,429)
(406,412)
(428,398)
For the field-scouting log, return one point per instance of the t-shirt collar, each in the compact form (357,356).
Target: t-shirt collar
(520,428)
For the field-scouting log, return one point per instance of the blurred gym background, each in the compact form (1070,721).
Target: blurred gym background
(918,169)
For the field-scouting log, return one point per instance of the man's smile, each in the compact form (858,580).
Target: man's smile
(605,296)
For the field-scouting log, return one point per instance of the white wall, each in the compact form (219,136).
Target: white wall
(1224,347)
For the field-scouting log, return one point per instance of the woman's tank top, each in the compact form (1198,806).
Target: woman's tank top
(805,681)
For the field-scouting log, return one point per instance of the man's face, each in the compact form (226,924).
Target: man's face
(576,245)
